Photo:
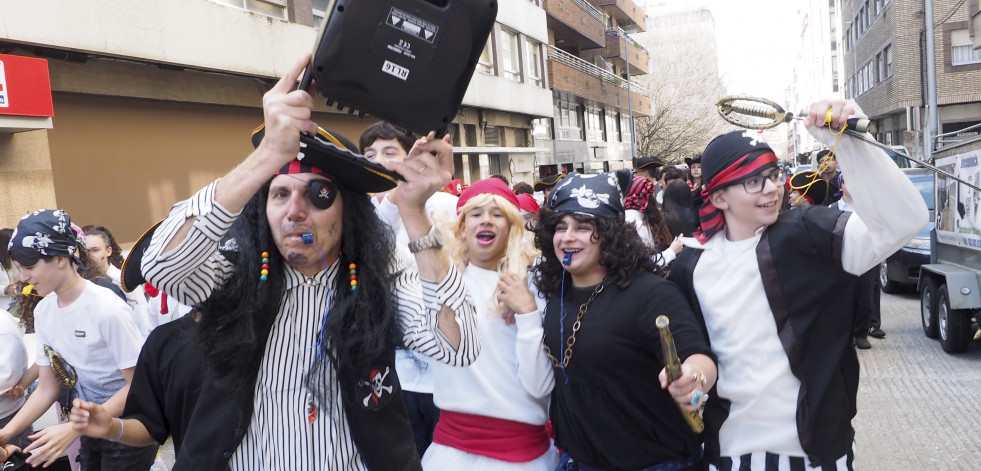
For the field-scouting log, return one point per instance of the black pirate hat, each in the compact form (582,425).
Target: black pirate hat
(647,163)
(133,264)
(337,157)
(548,182)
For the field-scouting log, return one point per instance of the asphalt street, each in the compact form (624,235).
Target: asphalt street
(918,407)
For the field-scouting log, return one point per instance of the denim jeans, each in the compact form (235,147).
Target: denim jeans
(104,455)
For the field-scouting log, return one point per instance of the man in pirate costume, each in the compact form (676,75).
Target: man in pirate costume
(608,408)
(647,167)
(90,329)
(302,304)
(775,292)
(545,185)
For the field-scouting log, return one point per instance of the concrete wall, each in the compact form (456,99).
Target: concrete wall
(26,182)
(192,33)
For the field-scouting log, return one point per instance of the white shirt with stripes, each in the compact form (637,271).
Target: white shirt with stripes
(279,435)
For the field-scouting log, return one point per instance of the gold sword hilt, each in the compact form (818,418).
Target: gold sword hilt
(672,368)
(734,108)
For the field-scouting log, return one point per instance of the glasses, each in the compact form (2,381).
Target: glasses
(756,183)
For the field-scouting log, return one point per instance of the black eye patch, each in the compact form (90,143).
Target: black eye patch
(322,193)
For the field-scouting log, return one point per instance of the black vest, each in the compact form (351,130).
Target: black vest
(379,424)
(813,304)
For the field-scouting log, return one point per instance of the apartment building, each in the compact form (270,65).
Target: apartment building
(153,100)
(591,60)
(885,50)
(818,71)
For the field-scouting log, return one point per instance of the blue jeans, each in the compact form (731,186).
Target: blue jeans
(104,455)
(566,463)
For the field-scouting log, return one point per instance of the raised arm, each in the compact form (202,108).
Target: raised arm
(286,112)
(889,211)
(182,259)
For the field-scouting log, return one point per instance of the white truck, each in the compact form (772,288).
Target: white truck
(950,285)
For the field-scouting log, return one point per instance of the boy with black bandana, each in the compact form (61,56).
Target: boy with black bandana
(788,373)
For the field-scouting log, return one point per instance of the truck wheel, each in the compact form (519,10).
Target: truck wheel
(888,286)
(928,307)
(954,324)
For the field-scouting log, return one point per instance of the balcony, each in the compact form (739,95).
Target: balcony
(622,50)
(576,24)
(628,14)
(573,75)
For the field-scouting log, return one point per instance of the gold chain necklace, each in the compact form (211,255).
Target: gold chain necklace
(567,354)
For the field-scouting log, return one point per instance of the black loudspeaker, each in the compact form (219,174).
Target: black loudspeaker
(407,62)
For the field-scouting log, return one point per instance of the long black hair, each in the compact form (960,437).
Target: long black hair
(622,253)
(680,214)
(362,325)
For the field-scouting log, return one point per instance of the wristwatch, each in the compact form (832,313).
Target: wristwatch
(432,240)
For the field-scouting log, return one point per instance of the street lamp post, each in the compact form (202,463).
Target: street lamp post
(630,101)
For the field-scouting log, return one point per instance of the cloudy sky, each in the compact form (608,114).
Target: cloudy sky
(757,42)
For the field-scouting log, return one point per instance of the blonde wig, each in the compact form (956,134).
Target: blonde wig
(519,253)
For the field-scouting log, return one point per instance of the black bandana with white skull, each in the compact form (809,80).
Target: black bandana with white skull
(599,195)
(45,232)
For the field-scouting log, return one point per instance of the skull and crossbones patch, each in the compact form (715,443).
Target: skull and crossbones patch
(376,388)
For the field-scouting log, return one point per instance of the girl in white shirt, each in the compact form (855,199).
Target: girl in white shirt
(493,413)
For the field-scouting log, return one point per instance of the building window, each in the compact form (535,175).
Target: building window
(541,128)
(567,122)
(273,8)
(612,135)
(492,136)
(594,128)
(319,12)
(887,51)
(510,55)
(961,50)
(534,53)
(625,128)
(880,61)
(486,62)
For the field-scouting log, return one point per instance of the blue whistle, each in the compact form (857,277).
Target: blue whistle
(567,259)
(307,238)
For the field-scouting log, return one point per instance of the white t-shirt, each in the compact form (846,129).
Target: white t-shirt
(95,334)
(136,300)
(13,362)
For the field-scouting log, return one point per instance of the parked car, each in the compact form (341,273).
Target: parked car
(901,271)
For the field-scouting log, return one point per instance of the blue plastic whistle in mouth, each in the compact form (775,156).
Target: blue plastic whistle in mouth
(307,238)
(567,259)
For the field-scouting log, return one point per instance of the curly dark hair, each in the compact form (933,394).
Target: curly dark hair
(622,252)
(361,326)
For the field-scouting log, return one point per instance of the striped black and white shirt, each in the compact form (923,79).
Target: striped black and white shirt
(279,435)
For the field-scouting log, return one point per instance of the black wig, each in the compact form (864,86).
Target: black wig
(361,325)
(622,252)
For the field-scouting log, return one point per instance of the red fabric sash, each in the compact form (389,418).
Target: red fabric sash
(501,439)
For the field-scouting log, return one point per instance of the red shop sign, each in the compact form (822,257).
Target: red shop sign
(25,87)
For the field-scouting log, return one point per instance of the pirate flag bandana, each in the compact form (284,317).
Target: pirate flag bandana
(727,160)
(45,232)
(599,195)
